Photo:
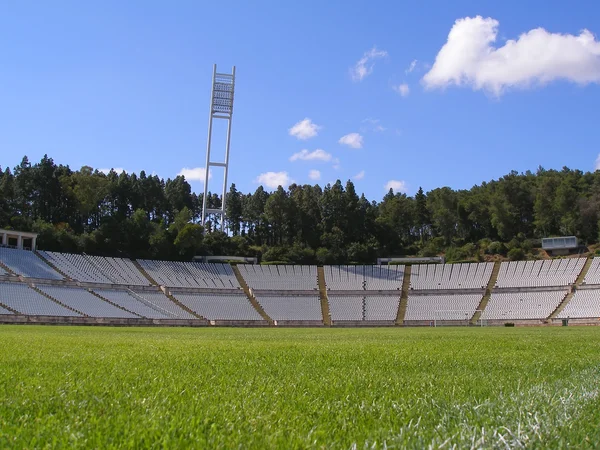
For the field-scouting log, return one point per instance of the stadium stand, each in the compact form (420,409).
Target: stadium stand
(81,300)
(442,307)
(279,277)
(364,278)
(291,293)
(593,274)
(25,300)
(584,304)
(136,305)
(450,276)
(346,307)
(363,308)
(542,273)
(191,274)
(219,307)
(76,267)
(161,301)
(119,270)
(27,264)
(522,305)
(292,308)
(381,308)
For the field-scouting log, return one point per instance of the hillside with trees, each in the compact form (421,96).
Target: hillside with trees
(144,216)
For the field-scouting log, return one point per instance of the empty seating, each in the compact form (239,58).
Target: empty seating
(280,277)
(450,276)
(522,305)
(584,304)
(4,311)
(25,300)
(442,307)
(593,274)
(364,278)
(191,274)
(83,301)
(135,304)
(555,272)
(381,308)
(363,308)
(119,270)
(292,307)
(77,267)
(346,307)
(27,263)
(344,278)
(160,300)
(220,307)
(3,272)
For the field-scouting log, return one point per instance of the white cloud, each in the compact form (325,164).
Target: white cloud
(118,170)
(305,129)
(353,140)
(535,57)
(315,155)
(336,164)
(359,176)
(396,185)
(402,89)
(195,174)
(372,125)
(413,66)
(274,179)
(364,66)
(314,175)
(597,165)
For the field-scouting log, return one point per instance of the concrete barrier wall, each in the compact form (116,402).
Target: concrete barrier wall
(118,322)
(392,293)
(59,320)
(362,323)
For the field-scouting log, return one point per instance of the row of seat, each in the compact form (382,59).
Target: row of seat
(190,274)
(522,305)
(292,308)
(28,264)
(442,307)
(584,304)
(76,301)
(363,308)
(280,277)
(450,276)
(541,273)
(593,274)
(363,277)
(220,307)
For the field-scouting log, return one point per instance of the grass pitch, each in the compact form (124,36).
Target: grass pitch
(299,388)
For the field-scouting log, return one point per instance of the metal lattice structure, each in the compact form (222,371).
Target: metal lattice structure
(221,107)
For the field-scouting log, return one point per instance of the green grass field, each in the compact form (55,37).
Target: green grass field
(299,388)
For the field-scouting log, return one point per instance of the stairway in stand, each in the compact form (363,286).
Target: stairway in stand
(323,296)
(488,292)
(404,296)
(249,295)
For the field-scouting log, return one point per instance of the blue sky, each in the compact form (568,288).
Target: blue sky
(127,85)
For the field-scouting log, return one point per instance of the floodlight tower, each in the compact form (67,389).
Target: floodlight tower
(221,107)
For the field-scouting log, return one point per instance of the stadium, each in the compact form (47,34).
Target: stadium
(54,287)
(156,296)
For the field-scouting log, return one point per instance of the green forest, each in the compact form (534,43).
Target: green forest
(142,216)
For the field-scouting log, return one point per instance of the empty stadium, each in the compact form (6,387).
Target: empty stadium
(387,235)
(53,287)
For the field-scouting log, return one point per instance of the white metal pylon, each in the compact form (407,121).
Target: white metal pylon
(221,107)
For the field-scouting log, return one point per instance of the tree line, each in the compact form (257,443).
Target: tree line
(144,216)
